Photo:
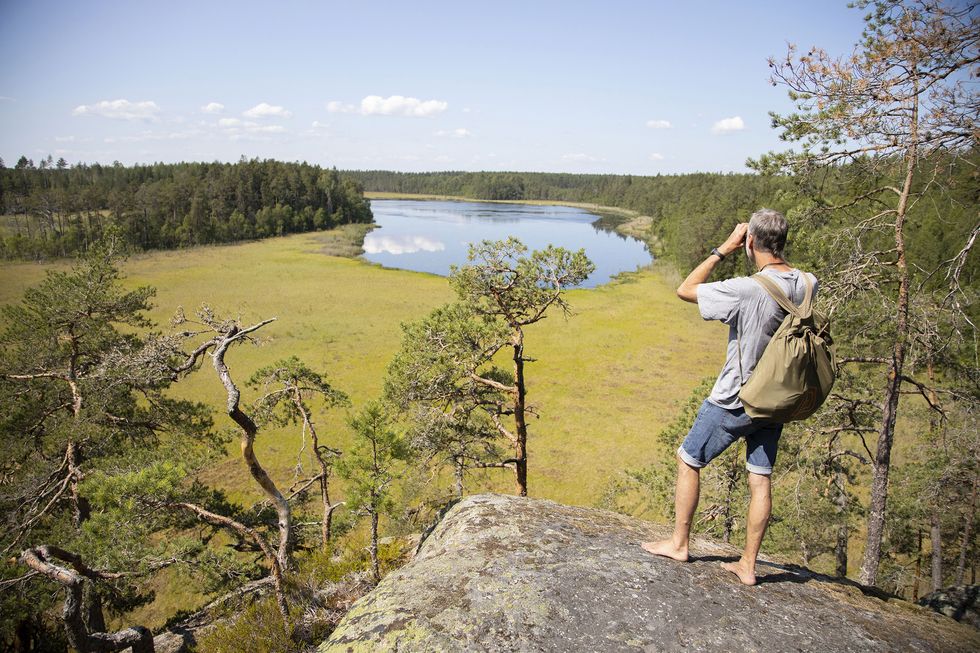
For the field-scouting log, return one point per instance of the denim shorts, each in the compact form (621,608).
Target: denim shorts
(716,428)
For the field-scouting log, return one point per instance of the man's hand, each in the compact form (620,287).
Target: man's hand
(736,240)
(688,290)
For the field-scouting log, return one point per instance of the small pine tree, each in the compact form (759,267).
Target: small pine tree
(370,467)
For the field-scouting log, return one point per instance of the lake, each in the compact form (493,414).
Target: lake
(429,235)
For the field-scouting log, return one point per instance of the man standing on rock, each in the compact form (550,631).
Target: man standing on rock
(752,316)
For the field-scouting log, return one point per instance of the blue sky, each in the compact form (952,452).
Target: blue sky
(606,87)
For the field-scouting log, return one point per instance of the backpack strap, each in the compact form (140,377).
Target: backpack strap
(774,291)
(777,294)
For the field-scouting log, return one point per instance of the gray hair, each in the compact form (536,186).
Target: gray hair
(769,228)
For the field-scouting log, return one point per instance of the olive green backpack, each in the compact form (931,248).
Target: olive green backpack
(798,367)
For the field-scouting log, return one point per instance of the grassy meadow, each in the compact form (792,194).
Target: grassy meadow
(605,380)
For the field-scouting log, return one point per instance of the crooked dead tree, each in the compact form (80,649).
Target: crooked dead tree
(75,578)
(288,385)
(223,334)
(897,111)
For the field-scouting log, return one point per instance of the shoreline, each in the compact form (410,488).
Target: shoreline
(633,224)
(383,195)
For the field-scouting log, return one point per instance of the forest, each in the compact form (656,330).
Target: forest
(111,476)
(54,210)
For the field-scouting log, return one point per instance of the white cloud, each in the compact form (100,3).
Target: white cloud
(119,109)
(335,106)
(237,128)
(658,124)
(400,244)
(725,125)
(213,107)
(581,157)
(398,105)
(265,110)
(149,135)
(395,105)
(656,156)
(455,133)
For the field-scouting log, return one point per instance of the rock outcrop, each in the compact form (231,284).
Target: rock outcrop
(502,573)
(960,602)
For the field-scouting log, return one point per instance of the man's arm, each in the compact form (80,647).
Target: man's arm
(688,290)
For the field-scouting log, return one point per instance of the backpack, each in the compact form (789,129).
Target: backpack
(798,367)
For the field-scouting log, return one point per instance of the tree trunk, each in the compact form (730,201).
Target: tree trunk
(840,551)
(82,510)
(247,533)
(324,471)
(918,566)
(935,536)
(886,434)
(375,568)
(459,476)
(965,541)
(249,430)
(843,531)
(80,637)
(520,449)
(729,521)
(92,609)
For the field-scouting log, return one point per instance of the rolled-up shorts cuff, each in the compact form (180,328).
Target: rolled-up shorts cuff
(756,469)
(689,459)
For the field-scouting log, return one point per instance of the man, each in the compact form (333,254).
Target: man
(752,316)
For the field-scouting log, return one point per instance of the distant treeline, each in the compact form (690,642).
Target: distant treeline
(55,210)
(694,212)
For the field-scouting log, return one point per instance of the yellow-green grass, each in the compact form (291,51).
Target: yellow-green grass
(605,381)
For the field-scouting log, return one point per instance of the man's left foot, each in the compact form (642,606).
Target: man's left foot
(745,575)
(666,548)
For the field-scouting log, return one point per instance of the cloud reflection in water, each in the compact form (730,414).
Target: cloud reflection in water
(401,244)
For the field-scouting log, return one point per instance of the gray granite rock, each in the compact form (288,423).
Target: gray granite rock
(502,573)
(960,602)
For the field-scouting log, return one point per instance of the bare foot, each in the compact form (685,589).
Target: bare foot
(667,549)
(741,570)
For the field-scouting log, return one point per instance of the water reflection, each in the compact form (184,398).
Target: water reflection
(430,236)
(381,244)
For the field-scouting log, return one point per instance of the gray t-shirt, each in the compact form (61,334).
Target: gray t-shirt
(753,316)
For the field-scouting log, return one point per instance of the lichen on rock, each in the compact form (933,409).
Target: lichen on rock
(505,573)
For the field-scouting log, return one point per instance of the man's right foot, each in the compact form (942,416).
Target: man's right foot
(666,548)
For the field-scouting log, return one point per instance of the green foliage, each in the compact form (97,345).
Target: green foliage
(287,382)
(502,281)
(56,211)
(935,488)
(650,490)
(371,464)
(260,628)
(887,136)
(444,377)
